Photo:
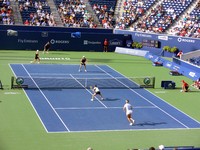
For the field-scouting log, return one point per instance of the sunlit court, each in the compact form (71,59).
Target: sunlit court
(61,97)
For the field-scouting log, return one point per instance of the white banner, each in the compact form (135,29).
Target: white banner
(130,51)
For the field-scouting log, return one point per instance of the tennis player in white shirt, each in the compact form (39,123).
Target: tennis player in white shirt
(128,109)
(96,92)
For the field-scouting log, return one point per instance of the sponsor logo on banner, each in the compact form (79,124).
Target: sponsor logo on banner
(115,42)
(12,32)
(185,40)
(23,41)
(150,56)
(162,37)
(156,59)
(143,35)
(176,68)
(192,74)
(53,41)
(86,42)
(44,34)
(169,64)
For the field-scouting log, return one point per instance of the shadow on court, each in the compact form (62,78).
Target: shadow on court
(111,99)
(150,123)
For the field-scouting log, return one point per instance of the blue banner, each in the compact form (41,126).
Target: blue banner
(76,41)
(187,71)
(182,43)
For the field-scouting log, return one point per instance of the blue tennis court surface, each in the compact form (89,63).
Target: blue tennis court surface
(71,110)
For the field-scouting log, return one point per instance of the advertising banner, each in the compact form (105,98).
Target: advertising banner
(185,44)
(66,41)
(184,70)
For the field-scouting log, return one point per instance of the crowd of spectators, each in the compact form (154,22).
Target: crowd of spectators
(35,14)
(132,11)
(149,22)
(160,18)
(6,13)
(74,14)
(105,15)
(189,26)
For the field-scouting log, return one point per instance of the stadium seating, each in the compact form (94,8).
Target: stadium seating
(74,14)
(195,60)
(137,15)
(36,13)
(132,10)
(104,10)
(189,25)
(6,13)
(163,16)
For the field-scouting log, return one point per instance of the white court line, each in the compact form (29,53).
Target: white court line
(125,130)
(146,99)
(47,100)
(31,103)
(82,108)
(66,74)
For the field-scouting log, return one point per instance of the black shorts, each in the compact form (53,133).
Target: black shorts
(98,93)
(83,63)
(36,57)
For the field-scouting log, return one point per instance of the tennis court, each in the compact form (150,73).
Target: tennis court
(70,109)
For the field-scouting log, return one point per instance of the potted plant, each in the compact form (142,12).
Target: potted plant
(170,50)
(173,49)
(167,48)
(136,45)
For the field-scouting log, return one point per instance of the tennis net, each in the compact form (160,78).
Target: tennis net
(71,83)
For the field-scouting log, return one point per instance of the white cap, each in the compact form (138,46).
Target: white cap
(37,50)
(83,56)
(161,147)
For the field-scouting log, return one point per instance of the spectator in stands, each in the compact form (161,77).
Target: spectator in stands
(185,86)
(26,22)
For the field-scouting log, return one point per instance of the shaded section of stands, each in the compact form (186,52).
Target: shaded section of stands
(36,13)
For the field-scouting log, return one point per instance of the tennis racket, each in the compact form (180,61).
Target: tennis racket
(91,88)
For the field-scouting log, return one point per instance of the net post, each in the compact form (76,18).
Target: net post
(1,85)
(12,82)
(85,83)
(154,80)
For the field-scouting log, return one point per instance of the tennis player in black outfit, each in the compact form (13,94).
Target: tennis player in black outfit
(46,47)
(37,57)
(83,63)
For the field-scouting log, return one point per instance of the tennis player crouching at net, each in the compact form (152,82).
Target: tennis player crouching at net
(96,92)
